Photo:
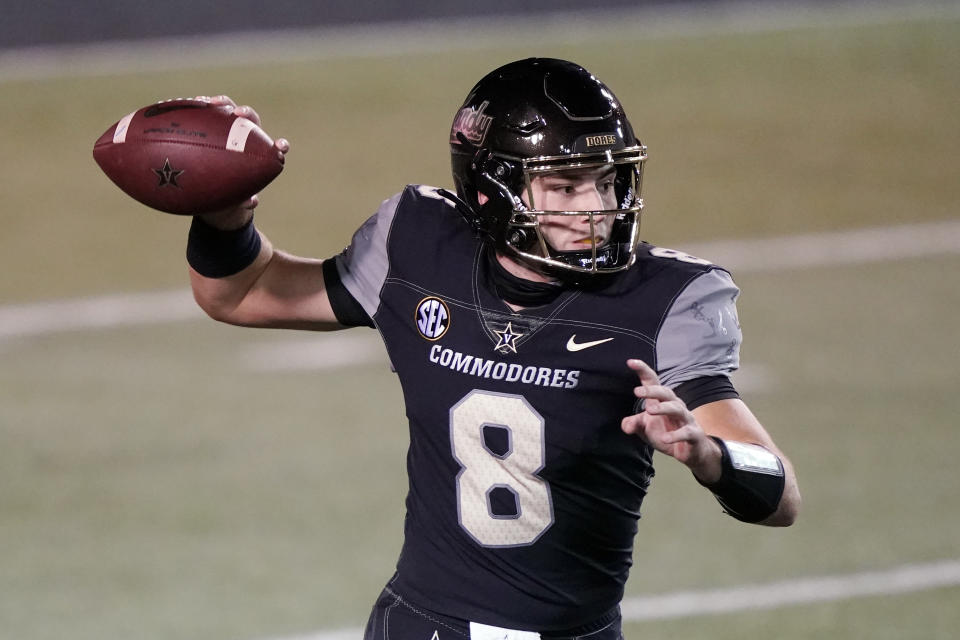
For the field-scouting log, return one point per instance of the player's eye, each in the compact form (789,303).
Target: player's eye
(565,189)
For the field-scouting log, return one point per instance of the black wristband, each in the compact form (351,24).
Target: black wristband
(215,253)
(751,482)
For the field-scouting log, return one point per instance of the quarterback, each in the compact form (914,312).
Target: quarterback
(545,353)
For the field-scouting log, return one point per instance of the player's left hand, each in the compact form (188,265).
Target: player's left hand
(669,427)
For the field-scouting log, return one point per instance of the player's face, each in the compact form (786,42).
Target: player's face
(586,190)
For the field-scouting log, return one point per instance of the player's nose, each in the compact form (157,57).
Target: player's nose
(589,200)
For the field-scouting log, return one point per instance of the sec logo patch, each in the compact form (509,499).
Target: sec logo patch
(432,318)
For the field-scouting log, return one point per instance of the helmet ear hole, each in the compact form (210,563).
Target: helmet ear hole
(500,170)
(498,180)
(520,238)
(494,169)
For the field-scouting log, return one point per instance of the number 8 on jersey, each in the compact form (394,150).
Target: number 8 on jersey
(513,470)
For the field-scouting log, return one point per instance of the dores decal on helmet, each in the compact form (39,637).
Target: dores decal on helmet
(543,116)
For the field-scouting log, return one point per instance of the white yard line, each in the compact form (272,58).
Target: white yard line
(856,246)
(897,580)
(807,251)
(680,20)
(752,597)
(98,312)
(318,352)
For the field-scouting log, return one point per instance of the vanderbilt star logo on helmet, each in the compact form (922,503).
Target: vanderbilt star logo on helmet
(432,317)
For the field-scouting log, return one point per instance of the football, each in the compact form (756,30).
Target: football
(187,156)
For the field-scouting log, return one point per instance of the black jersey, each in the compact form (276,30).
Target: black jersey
(524,493)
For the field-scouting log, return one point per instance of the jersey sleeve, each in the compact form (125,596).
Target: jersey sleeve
(345,307)
(362,267)
(700,391)
(700,335)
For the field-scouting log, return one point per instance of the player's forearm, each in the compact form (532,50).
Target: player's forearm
(225,298)
(757,484)
(705,461)
(239,278)
(227,256)
(789,507)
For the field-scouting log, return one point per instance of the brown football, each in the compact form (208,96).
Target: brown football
(187,156)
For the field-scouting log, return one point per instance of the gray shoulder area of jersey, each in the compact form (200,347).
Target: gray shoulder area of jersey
(700,335)
(364,264)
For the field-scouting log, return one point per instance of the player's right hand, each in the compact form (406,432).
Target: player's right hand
(236,216)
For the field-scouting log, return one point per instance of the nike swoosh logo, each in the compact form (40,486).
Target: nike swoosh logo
(573,345)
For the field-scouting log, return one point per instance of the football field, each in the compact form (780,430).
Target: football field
(165,477)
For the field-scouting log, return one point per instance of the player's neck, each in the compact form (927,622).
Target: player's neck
(521,287)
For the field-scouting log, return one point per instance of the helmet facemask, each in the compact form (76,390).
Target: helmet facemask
(614,233)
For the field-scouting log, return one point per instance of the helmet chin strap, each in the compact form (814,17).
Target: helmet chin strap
(464,209)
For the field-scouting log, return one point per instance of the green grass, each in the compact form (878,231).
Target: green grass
(152,486)
(139,470)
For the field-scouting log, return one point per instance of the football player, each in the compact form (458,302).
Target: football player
(545,352)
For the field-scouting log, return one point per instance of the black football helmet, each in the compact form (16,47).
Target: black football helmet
(545,116)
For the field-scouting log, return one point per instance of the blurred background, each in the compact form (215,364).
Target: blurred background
(29,23)
(162,476)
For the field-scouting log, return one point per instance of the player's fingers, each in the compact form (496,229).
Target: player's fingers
(243,111)
(248,112)
(231,217)
(656,392)
(647,375)
(636,425)
(282,145)
(686,433)
(632,425)
(250,203)
(217,101)
(668,408)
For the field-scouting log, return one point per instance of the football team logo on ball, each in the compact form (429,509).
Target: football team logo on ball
(187,157)
(168,175)
(432,318)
